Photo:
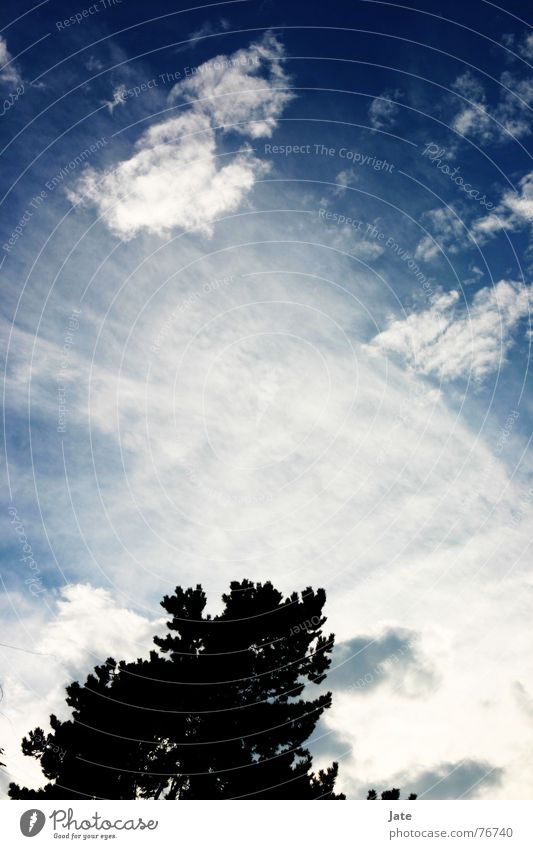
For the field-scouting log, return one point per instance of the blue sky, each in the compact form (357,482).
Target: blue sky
(266,278)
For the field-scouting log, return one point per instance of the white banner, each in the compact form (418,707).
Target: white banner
(258,824)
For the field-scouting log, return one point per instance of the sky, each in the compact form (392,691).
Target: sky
(265,312)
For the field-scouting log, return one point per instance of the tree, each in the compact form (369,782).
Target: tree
(389,794)
(218,711)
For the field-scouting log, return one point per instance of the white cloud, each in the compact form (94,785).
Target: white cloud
(86,627)
(281,423)
(472,118)
(449,234)
(346,238)
(90,625)
(94,64)
(178,178)
(523,698)
(514,108)
(261,440)
(526,47)
(206,29)
(520,205)
(345,178)
(523,45)
(452,341)
(514,211)
(8,72)
(383,110)
(236,93)
(507,117)
(476,275)
(119,97)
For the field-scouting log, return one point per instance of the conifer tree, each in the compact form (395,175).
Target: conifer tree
(389,794)
(220,710)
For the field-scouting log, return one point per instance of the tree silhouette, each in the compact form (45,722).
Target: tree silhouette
(389,794)
(216,712)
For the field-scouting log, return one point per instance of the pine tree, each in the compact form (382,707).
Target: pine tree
(218,711)
(389,794)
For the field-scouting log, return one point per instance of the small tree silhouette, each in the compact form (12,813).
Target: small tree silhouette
(216,712)
(389,794)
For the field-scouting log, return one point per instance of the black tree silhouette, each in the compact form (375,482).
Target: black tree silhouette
(388,794)
(216,712)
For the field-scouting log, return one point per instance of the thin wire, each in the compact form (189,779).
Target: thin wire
(28,651)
